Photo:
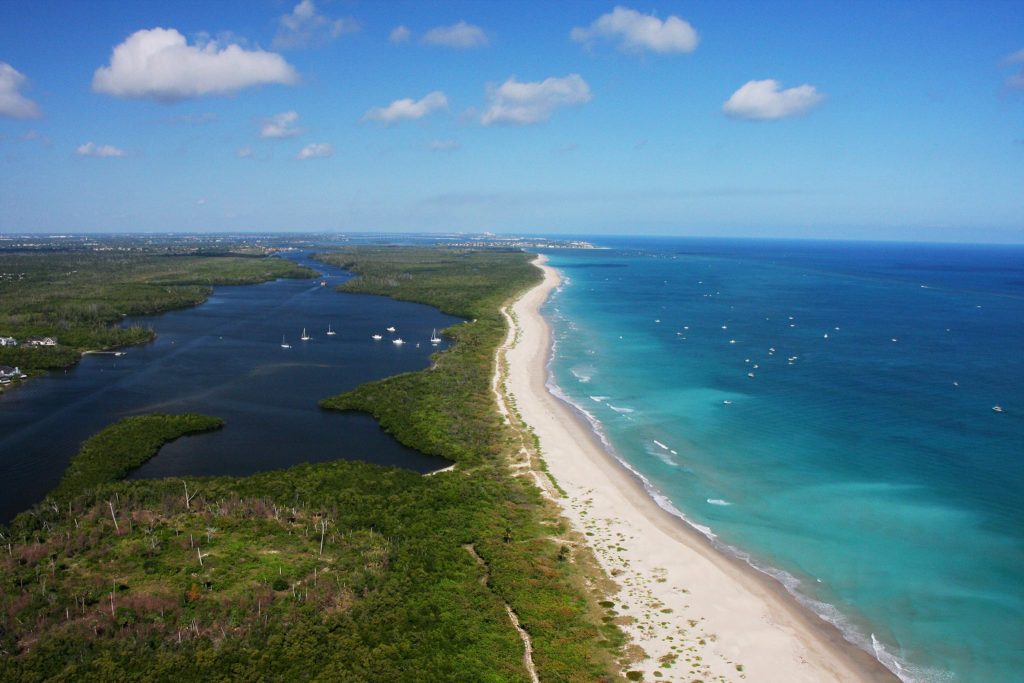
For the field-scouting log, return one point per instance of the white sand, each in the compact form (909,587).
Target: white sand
(714,616)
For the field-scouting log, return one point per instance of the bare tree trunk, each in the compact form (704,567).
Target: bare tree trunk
(188,498)
(116,528)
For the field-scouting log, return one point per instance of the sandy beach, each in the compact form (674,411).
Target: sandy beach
(696,612)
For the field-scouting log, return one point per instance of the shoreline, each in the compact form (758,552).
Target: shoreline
(695,610)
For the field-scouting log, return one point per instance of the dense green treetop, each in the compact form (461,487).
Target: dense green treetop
(122,447)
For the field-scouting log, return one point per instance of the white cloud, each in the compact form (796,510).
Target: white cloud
(1015,81)
(444,145)
(304,27)
(91,149)
(764,100)
(315,150)
(526,103)
(407,109)
(12,102)
(399,34)
(246,152)
(34,135)
(280,126)
(1015,58)
(159,64)
(460,35)
(635,31)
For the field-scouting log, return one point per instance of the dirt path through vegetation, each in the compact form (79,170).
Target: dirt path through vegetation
(523,635)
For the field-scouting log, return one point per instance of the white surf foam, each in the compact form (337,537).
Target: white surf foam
(824,610)
(662,456)
(719,501)
(582,373)
(617,409)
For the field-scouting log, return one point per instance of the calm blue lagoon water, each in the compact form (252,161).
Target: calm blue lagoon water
(224,358)
(862,463)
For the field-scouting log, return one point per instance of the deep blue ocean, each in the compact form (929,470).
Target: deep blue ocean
(827,411)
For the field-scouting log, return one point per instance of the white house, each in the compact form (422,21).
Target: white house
(42,341)
(8,341)
(6,372)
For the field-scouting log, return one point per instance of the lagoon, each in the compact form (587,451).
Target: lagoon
(224,358)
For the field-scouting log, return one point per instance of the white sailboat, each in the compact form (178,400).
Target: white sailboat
(390,329)
(377,337)
(305,337)
(284,343)
(398,341)
(434,339)
(330,332)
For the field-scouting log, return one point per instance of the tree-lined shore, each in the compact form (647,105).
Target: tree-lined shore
(334,571)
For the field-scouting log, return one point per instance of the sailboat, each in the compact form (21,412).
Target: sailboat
(284,343)
(330,332)
(434,339)
(305,337)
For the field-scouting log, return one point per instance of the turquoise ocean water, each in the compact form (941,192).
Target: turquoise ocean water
(825,410)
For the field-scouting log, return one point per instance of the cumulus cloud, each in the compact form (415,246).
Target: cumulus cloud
(315,151)
(12,103)
(399,34)
(304,27)
(460,35)
(634,31)
(159,64)
(408,108)
(91,149)
(764,100)
(246,152)
(280,126)
(525,103)
(444,145)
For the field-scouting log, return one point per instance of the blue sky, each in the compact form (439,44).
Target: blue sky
(864,120)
